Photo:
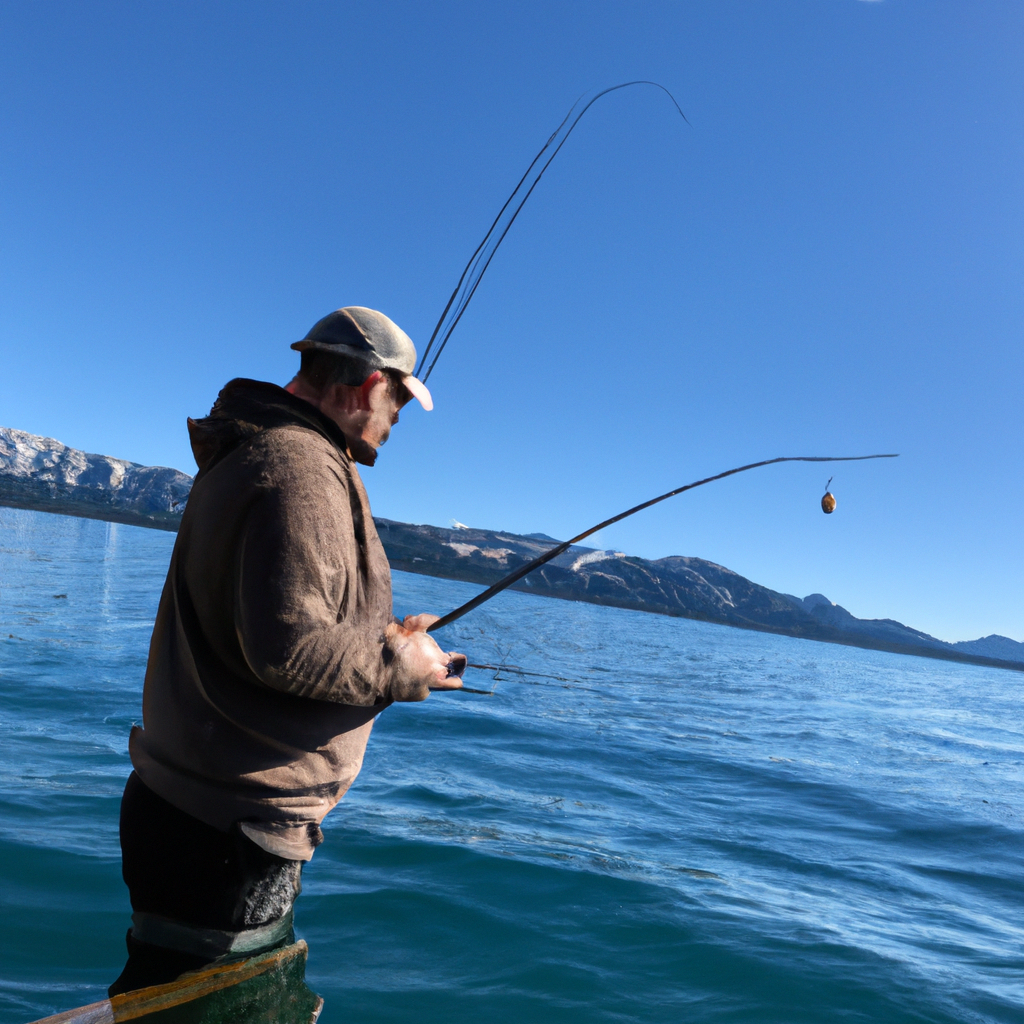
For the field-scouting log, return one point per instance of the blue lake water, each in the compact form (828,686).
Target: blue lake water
(673,821)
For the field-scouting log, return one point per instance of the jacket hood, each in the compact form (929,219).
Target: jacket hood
(243,409)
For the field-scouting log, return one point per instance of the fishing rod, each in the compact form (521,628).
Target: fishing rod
(525,570)
(478,263)
(463,293)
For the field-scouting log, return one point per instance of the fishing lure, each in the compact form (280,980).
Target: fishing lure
(828,500)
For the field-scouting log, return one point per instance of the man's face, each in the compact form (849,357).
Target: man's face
(384,400)
(365,413)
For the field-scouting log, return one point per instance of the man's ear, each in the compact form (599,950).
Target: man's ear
(367,386)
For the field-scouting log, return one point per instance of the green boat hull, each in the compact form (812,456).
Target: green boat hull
(266,989)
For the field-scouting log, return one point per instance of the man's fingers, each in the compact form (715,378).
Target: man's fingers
(420,665)
(419,623)
(448,683)
(453,673)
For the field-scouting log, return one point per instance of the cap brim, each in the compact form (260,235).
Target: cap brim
(419,392)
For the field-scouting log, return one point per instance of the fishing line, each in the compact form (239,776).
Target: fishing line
(516,670)
(478,263)
(524,570)
(512,670)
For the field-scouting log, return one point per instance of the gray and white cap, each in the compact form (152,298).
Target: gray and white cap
(373,340)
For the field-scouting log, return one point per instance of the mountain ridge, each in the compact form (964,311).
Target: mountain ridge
(45,475)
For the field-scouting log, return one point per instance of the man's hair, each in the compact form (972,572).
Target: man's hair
(321,369)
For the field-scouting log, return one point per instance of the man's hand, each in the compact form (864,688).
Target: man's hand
(419,664)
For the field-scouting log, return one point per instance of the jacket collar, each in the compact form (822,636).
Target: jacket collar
(245,408)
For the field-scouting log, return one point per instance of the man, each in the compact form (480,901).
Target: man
(273,650)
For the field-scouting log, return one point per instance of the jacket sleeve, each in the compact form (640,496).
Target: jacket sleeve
(300,611)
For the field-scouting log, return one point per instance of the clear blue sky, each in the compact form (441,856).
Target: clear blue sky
(829,261)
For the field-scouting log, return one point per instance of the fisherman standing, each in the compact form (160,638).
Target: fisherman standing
(274,649)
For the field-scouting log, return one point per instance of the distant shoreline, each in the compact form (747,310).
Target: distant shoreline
(42,475)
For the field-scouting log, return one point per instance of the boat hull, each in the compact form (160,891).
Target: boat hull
(266,989)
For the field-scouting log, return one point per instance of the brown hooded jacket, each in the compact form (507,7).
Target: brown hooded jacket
(268,661)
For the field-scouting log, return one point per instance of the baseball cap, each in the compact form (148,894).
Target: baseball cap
(373,340)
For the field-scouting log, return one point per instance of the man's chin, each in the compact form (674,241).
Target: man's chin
(362,451)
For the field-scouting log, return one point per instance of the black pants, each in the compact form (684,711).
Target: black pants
(181,868)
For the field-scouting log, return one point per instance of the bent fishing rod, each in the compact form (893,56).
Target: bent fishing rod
(525,570)
(478,263)
(466,288)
